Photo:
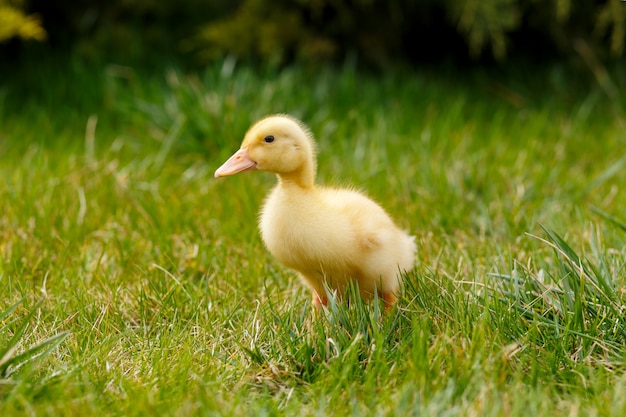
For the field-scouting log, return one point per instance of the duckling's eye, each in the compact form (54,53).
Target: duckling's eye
(269,139)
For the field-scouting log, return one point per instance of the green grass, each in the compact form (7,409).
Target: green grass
(133,283)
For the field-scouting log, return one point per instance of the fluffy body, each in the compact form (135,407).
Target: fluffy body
(330,236)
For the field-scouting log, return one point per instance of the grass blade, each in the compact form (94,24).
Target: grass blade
(611,219)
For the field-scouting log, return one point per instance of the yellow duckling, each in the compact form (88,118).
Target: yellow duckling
(330,236)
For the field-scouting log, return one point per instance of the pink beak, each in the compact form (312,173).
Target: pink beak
(240,161)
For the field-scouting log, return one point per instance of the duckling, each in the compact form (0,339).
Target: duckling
(329,236)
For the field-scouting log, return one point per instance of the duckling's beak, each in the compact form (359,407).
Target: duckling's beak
(240,161)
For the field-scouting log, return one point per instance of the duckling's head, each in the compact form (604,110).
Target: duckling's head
(279,144)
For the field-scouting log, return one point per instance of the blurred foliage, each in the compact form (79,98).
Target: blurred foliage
(382,30)
(14,22)
(125,31)
(612,19)
(281,31)
(485,23)
(313,30)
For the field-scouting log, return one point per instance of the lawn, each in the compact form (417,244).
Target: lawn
(134,283)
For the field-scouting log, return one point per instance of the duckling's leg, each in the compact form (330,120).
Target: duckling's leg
(319,301)
(390,299)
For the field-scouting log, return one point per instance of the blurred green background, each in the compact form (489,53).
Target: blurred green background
(378,33)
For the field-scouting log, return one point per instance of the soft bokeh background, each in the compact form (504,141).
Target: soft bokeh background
(379,33)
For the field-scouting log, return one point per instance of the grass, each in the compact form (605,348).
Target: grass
(135,284)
